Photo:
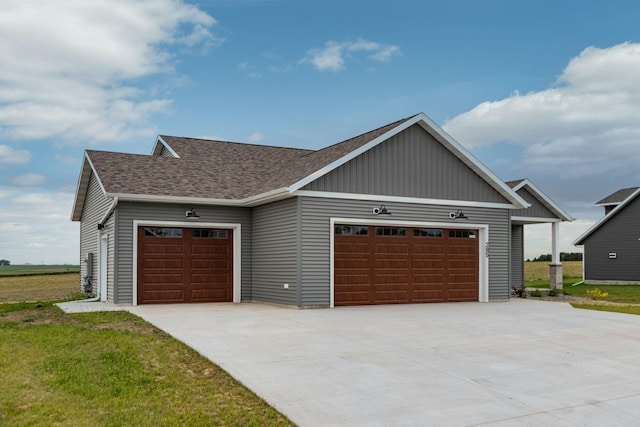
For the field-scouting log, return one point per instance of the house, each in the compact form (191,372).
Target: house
(612,245)
(400,214)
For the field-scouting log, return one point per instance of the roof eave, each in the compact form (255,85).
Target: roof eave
(82,186)
(545,200)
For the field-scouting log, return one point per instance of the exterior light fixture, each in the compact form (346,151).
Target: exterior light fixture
(382,210)
(192,214)
(457,215)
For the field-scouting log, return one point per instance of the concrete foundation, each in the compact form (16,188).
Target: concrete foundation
(555,276)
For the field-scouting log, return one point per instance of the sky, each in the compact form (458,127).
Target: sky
(545,90)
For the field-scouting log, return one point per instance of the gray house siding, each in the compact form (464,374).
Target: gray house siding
(517,255)
(409,164)
(315,235)
(95,205)
(275,252)
(536,210)
(127,212)
(619,235)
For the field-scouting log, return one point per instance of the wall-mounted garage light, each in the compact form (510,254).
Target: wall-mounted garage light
(457,215)
(382,210)
(192,214)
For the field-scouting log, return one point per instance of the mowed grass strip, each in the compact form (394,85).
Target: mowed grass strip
(112,368)
(40,288)
(627,309)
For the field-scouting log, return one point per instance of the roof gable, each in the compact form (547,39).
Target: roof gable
(581,240)
(541,206)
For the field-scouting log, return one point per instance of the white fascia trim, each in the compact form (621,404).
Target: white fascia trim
(83,181)
(109,211)
(157,147)
(174,199)
(466,156)
(398,199)
(604,205)
(269,196)
(483,241)
(532,219)
(355,153)
(594,227)
(545,200)
(237,250)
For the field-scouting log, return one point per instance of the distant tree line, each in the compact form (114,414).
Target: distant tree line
(564,256)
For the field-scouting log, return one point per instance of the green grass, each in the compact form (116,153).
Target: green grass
(628,309)
(109,369)
(625,294)
(40,288)
(33,270)
(538,270)
(566,283)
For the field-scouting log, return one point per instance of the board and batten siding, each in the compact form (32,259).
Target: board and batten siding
(127,212)
(315,239)
(619,235)
(95,206)
(517,255)
(275,252)
(410,164)
(536,210)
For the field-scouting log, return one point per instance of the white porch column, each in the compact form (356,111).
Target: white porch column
(555,268)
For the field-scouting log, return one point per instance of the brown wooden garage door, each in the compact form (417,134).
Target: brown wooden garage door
(396,265)
(184,265)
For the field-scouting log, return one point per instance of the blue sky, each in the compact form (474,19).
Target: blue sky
(547,90)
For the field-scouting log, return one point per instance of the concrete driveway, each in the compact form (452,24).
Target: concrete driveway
(500,364)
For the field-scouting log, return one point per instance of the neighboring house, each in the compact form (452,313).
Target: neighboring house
(5,262)
(612,245)
(400,214)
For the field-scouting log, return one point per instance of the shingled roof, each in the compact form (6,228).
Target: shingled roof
(241,174)
(617,197)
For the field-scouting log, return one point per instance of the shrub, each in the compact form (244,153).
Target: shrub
(597,294)
(567,292)
(536,293)
(519,292)
(554,292)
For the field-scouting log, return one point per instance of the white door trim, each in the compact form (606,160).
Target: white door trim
(237,249)
(483,240)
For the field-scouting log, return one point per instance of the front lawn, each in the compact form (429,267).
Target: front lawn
(628,309)
(624,294)
(112,368)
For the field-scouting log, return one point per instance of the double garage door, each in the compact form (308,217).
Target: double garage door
(395,265)
(177,265)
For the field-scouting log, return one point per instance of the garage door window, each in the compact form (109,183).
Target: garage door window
(462,234)
(162,232)
(391,231)
(211,234)
(427,232)
(353,230)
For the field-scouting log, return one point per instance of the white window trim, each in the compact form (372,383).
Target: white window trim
(237,250)
(483,240)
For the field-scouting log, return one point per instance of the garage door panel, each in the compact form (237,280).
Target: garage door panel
(405,265)
(184,265)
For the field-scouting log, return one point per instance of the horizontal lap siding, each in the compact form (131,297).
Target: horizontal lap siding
(95,206)
(517,255)
(410,164)
(620,234)
(129,211)
(275,254)
(315,248)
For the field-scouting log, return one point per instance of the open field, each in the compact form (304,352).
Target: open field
(540,270)
(31,270)
(39,288)
(109,368)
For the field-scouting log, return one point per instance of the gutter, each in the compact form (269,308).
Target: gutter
(107,214)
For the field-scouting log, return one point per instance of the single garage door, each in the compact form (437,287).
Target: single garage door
(399,265)
(177,265)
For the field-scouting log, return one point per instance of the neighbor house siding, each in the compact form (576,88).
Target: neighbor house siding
(536,210)
(95,206)
(409,164)
(315,248)
(517,255)
(275,252)
(619,235)
(127,212)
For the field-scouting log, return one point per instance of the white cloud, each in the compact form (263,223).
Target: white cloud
(579,140)
(332,56)
(66,68)
(9,155)
(64,159)
(256,137)
(28,180)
